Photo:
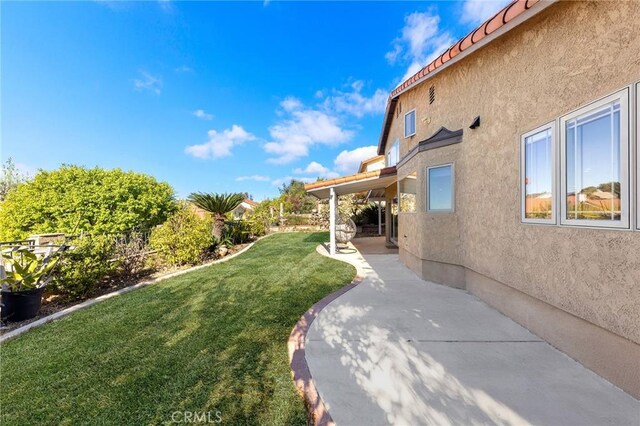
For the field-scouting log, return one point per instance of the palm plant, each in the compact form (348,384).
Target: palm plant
(218,205)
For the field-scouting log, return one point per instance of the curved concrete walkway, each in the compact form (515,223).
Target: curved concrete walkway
(400,350)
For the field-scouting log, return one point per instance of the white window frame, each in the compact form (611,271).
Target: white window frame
(415,123)
(636,122)
(554,175)
(453,189)
(625,132)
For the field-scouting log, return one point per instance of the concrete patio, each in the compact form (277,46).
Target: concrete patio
(399,350)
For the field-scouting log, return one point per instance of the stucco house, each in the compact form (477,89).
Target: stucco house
(485,150)
(246,206)
(372,164)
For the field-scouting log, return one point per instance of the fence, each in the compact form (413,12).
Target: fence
(42,243)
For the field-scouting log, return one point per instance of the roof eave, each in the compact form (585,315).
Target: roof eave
(425,74)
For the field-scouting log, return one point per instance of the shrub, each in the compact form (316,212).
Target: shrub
(130,252)
(296,220)
(83,266)
(72,199)
(260,219)
(237,232)
(183,238)
(368,215)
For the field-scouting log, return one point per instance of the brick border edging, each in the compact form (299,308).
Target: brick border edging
(300,372)
(57,315)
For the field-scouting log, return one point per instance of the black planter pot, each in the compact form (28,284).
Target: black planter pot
(20,305)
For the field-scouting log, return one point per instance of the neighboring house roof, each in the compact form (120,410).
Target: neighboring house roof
(603,195)
(366,163)
(250,202)
(387,171)
(509,17)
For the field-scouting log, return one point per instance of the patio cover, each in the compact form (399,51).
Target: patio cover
(376,181)
(373,182)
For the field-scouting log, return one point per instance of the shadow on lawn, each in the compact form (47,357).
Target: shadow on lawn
(317,237)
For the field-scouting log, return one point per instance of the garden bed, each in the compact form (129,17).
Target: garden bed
(53,303)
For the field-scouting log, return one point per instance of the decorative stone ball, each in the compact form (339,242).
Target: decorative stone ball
(345,229)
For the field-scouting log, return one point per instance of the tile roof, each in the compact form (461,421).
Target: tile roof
(250,202)
(387,171)
(510,12)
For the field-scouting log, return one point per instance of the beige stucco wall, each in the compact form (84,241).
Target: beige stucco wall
(567,56)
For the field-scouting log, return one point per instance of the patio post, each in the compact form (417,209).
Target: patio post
(333,201)
(379,218)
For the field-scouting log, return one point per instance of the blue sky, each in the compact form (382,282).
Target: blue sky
(212,96)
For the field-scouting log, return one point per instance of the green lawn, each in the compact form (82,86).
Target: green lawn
(211,340)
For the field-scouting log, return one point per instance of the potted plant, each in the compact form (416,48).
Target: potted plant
(23,277)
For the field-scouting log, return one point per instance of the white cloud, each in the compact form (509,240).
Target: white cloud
(316,169)
(183,68)
(354,103)
(349,161)
(257,178)
(202,114)
(287,179)
(166,6)
(477,11)
(112,4)
(420,42)
(303,128)
(291,104)
(148,82)
(220,144)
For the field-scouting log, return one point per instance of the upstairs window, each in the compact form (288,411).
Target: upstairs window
(595,164)
(410,123)
(393,155)
(538,175)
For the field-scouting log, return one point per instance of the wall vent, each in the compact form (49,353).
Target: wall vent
(432,94)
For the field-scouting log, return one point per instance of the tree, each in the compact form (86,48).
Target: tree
(350,205)
(10,178)
(611,188)
(218,205)
(296,197)
(72,199)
